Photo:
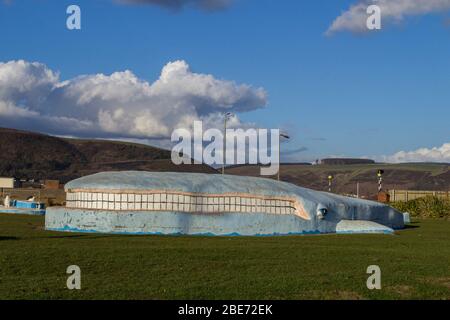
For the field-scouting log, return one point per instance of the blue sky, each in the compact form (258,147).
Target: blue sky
(370,94)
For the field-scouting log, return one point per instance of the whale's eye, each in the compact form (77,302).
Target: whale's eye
(322,212)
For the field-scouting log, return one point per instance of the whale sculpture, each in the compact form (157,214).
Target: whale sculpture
(135,202)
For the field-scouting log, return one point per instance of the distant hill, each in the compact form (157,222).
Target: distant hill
(411,176)
(38,156)
(345,161)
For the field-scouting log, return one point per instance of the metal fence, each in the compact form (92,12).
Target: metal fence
(407,195)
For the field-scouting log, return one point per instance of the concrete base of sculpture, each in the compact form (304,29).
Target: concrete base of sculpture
(173,223)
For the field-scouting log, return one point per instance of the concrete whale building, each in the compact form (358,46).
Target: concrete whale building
(134,202)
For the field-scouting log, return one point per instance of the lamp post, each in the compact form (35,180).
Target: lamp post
(380,180)
(282,135)
(330,182)
(227,116)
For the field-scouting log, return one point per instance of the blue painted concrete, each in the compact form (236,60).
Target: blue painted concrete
(172,223)
(37,212)
(152,222)
(27,204)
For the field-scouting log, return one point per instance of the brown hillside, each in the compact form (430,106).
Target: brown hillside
(410,176)
(37,156)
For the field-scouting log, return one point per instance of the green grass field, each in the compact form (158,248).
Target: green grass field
(414,264)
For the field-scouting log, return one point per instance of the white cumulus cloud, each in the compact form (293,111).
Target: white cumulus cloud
(354,19)
(436,154)
(119,105)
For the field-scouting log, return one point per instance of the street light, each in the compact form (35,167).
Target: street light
(227,116)
(282,135)
(330,182)
(380,180)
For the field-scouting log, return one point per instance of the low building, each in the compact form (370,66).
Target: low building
(345,161)
(7,183)
(52,184)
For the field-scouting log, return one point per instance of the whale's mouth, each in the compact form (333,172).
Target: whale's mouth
(189,202)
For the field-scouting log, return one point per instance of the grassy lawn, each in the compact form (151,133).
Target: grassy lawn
(414,264)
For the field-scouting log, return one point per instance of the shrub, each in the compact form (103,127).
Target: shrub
(427,207)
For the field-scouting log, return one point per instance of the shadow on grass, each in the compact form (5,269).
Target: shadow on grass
(95,236)
(82,236)
(8,238)
(410,226)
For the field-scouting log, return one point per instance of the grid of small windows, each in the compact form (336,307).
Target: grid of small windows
(177,202)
